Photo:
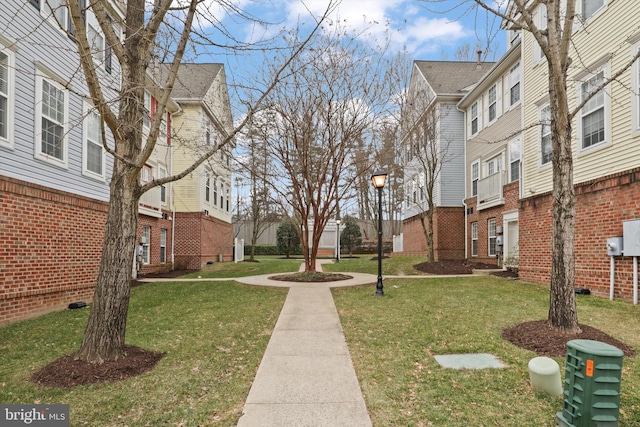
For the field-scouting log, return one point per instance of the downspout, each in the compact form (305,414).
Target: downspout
(466,237)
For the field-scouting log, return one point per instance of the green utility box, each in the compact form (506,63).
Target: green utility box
(592,385)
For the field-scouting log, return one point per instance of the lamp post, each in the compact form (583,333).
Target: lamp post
(338,240)
(378,179)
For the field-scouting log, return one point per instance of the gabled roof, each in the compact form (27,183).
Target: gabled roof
(193,80)
(452,77)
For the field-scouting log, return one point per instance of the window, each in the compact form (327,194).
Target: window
(93,156)
(491,233)
(513,36)
(162,173)
(545,135)
(51,144)
(207,187)
(494,165)
(6,98)
(145,174)
(475,176)
(227,201)
(492,104)
(146,233)
(215,192)
(146,119)
(592,115)
(541,22)
(590,7)
(514,84)
(474,239)
(163,245)
(221,195)
(474,118)
(514,160)
(96,43)
(56,10)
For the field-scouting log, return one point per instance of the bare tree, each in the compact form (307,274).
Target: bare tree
(555,42)
(145,29)
(433,151)
(318,115)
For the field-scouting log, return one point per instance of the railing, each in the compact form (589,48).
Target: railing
(490,188)
(150,203)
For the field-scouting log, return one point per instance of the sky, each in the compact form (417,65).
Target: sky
(427,31)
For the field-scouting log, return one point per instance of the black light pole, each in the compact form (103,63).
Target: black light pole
(338,240)
(378,179)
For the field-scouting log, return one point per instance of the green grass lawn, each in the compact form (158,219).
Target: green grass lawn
(395,265)
(392,341)
(213,334)
(245,268)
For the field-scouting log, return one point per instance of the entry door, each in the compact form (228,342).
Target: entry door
(512,242)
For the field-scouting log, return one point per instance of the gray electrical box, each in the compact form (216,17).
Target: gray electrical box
(614,246)
(631,237)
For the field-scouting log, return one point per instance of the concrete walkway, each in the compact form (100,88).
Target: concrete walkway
(306,377)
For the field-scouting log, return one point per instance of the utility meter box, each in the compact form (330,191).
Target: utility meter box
(614,246)
(631,237)
(591,395)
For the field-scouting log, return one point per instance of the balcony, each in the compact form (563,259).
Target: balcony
(490,190)
(150,204)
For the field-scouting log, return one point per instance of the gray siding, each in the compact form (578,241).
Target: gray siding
(452,139)
(39,41)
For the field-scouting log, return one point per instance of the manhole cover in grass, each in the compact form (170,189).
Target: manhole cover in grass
(469,361)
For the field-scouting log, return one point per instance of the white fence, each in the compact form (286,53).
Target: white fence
(238,247)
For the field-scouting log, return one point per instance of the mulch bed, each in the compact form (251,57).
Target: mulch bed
(460,267)
(539,337)
(68,371)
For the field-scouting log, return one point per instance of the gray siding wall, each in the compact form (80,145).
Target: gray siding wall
(39,41)
(452,140)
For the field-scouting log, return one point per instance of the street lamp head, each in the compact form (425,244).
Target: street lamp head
(338,221)
(378,178)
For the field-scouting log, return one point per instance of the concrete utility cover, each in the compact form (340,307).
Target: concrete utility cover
(469,361)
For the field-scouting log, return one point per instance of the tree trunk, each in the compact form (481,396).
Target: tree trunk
(562,305)
(427,231)
(104,337)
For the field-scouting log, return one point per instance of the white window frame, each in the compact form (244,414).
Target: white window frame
(493,165)
(515,155)
(474,238)
(58,16)
(8,93)
(475,177)
(492,103)
(90,115)
(97,44)
(146,253)
(491,237)
(595,12)
(586,111)
(163,246)
(541,22)
(544,115)
(207,187)
(162,173)
(146,118)
(38,153)
(515,79)
(474,118)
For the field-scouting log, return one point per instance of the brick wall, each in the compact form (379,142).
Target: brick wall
(51,246)
(601,206)
(448,234)
(511,194)
(156,225)
(200,239)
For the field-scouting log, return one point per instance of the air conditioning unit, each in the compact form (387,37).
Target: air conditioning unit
(143,240)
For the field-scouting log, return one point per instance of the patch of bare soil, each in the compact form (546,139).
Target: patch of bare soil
(453,267)
(539,337)
(68,371)
(168,274)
